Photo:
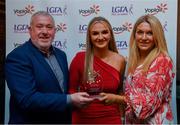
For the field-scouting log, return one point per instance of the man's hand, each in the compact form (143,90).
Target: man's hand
(81,99)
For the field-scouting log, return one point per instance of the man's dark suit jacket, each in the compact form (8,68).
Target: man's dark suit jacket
(36,96)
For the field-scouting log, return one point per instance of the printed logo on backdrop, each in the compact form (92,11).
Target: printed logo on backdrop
(92,10)
(126,27)
(122,10)
(61,27)
(16,44)
(83,28)
(57,11)
(26,10)
(21,28)
(122,44)
(165,26)
(82,46)
(162,8)
(61,44)
(58,44)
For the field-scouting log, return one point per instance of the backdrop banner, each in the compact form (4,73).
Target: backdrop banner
(73,16)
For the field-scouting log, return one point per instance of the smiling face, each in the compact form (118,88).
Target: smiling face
(144,38)
(42,31)
(100,35)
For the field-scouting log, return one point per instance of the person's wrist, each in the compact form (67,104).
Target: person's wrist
(69,100)
(120,98)
(124,99)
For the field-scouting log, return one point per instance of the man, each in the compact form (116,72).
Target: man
(37,77)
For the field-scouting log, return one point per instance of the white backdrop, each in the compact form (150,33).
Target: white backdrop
(72,17)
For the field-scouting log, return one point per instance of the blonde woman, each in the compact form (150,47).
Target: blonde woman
(150,74)
(97,70)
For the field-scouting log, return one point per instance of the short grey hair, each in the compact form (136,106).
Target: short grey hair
(41,13)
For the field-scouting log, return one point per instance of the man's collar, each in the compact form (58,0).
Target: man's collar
(45,53)
(48,53)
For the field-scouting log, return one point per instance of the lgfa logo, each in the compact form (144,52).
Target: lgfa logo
(29,9)
(83,28)
(94,9)
(60,44)
(159,8)
(125,27)
(122,10)
(165,26)
(61,27)
(122,44)
(57,10)
(21,28)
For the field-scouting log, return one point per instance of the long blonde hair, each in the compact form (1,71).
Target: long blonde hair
(159,40)
(88,67)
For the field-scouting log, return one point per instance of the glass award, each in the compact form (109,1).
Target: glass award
(94,85)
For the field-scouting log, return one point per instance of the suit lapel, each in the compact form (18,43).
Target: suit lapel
(38,55)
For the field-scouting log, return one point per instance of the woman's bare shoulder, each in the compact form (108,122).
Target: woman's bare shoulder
(118,57)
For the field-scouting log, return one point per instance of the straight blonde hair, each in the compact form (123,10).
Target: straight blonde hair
(88,67)
(159,40)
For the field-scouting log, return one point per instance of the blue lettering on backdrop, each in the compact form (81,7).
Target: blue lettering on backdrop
(20,28)
(54,10)
(121,44)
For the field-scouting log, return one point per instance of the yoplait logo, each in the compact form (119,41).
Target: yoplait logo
(61,27)
(29,9)
(94,9)
(82,46)
(16,44)
(159,8)
(125,27)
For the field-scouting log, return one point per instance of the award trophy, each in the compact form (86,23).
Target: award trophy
(94,85)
